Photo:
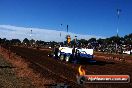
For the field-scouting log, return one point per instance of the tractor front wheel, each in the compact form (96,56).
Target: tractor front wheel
(67,58)
(61,57)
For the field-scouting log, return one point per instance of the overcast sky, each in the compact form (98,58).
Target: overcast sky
(13,32)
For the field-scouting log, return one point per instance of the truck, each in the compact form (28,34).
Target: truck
(75,54)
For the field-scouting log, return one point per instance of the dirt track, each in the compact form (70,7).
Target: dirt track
(66,72)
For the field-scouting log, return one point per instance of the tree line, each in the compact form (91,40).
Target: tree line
(110,44)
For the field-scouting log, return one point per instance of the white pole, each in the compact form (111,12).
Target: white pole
(118,15)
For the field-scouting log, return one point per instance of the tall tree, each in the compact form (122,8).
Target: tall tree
(26,41)
(92,40)
(128,39)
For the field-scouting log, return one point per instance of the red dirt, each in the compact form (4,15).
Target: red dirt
(22,69)
(66,72)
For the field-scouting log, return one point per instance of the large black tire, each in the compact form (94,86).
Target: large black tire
(62,57)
